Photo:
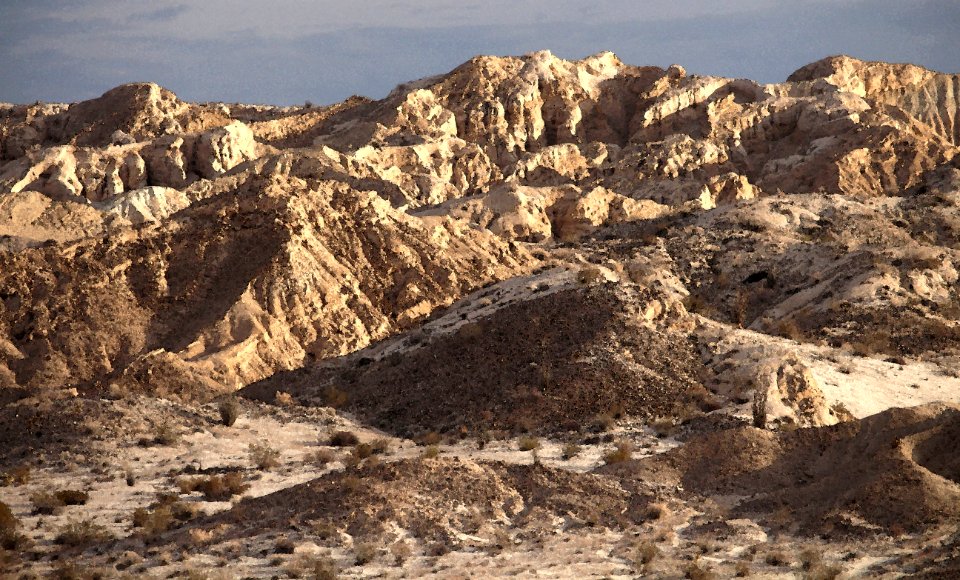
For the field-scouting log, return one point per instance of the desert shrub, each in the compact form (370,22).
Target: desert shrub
(10,539)
(284,399)
(742,569)
(263,456)
(400,551)
(841,412)
(431,438)
(603,422)
(777,558)
(622,452)
(214,487)
(645,552)
(351,484)
(229,411)
(45,503)
(19,475)
(315,567)
(72,496)
(284,546)
(362,450)
(343,439)
(657,511)
(570,450)
(165,434)
(430,452)
(81,533)
(324,456)
(380,445)
(364,553)
(698,571)
(334,397)
(528,443)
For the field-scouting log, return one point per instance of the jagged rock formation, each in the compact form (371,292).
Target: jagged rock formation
(713,295)
(115,192)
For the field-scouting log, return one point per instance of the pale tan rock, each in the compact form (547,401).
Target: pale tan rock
(788,392)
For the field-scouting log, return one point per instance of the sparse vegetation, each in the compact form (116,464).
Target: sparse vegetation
(263,456)
(645,553)
(622,452)
(430,451)
(364,553)
(401,552)
(657,511)
(164,433)
(19,475)
(334,397)
(82,533)
(284,399)
(215,487)
(528,443)
(46,503)
(229,411)
(699,571)
(314,567)
(570,450)
(343,439)
(324,456)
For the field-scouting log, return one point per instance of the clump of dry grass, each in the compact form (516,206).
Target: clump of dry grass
(10,538)
(644,553)
(214,487)
(334,397)
(323,456)
(622,452)
(315,567)
(400,551)
(283,399)
(19,475)
(343,439)
(263,456)
(46,503)
(364,553)
(80,533)
(528,443)
(657,511)
(570,450)
(699,571)
(430,452)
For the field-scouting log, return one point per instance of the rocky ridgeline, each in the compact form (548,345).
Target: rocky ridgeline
(187,247)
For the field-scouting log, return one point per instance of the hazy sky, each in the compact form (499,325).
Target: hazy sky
(290,51)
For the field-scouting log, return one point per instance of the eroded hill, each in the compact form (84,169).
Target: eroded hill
(577,316)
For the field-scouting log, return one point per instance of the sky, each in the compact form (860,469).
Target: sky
(291,51)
